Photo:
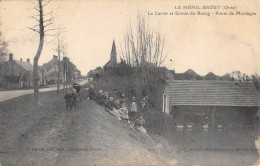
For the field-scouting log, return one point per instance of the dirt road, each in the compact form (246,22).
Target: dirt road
(6,95)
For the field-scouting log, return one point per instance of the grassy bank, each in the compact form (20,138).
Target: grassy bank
(49,135)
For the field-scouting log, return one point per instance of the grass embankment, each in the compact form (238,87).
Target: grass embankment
(49,135)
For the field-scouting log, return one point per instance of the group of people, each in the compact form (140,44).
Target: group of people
(118,108)
(71,99)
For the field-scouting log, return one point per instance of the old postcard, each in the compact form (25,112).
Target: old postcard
(130,82)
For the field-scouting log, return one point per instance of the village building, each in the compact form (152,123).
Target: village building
(221,103)
(16,74)
(50,70)
(68,71)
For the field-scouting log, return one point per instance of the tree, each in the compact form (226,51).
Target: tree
(41,29)
(60,49)
(143,50)
(3,48)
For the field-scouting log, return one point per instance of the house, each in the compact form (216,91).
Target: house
(68,71)
(16,74)
(218,102)
(50,70)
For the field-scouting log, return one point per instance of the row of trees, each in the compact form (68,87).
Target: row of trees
(3,48)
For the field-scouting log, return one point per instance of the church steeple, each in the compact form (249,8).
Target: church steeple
(113,55)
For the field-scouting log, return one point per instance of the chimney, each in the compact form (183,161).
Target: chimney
(10,56)
(28,60)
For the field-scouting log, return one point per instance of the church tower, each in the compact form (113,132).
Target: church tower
(113,55)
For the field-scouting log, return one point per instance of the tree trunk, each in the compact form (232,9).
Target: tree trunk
(58,85)
(38,54)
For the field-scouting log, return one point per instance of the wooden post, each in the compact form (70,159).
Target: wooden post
(213,117)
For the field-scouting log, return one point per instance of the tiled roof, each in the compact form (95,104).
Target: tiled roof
(212,93)
(25,65)
(49,65)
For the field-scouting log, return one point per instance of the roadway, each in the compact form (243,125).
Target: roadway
(6,95)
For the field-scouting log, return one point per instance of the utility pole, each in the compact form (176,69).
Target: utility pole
(21,83)
(11,55)
(64,73)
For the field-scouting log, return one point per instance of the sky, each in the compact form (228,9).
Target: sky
(218,44)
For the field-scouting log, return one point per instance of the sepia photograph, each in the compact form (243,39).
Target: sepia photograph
(129,83)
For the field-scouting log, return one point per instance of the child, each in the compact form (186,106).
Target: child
(123,112)
(139,124)
(74,98)
(99,97)
(123,99)
(143,102)
(67,98)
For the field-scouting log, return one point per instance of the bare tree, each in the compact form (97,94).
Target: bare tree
(143,50)
(60,49)
(43,27)
(3,48)
(65,61)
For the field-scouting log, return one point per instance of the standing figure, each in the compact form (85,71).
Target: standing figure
(68,102)
(143,103)
(133,109)
(91,92)
(74,98)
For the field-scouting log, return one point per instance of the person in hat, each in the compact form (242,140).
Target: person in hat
(77,87)
(91,92)
(99,97)
(68,101)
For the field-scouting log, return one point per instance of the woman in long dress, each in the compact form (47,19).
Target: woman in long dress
(133,110)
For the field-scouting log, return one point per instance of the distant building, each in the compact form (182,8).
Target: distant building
(68,71)
(95,74)
(188,75)
(16,74)
(221,102)
(51,69)
(112,63)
